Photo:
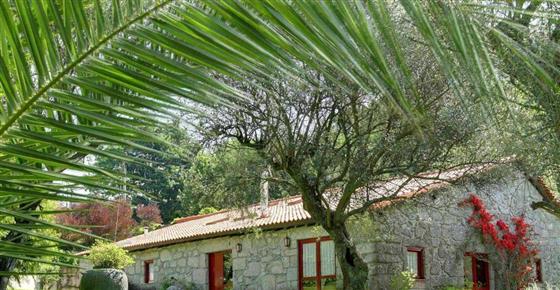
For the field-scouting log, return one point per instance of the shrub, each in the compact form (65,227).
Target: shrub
(545,286)
(108,255)
(403,281)
(515,250)
(207,210)
(172,281)
(467,286)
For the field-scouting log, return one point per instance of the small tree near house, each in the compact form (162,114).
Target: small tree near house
(515,252)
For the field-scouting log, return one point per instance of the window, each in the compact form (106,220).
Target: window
(317,264)
(538,271)
(477,270)
(415,261)
(149,271)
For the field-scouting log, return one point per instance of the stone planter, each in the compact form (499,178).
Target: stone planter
(106,279)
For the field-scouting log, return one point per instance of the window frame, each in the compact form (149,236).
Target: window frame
(318,277)
(538,270)
(484,258)
(148,264)
(421,275)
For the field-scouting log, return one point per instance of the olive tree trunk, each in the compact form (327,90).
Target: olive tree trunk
(354,268)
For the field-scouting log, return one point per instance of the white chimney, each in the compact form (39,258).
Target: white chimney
(146,230)
(264,191)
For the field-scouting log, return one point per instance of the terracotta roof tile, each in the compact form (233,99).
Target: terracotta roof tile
(287,211)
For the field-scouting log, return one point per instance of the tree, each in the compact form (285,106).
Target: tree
(335,142)
(159,175)
(148,214)
(112,221)
(189,176)
(224,176)
(46,266)
(538,97)
(64,97)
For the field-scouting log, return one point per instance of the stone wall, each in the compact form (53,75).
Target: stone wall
(263,263)
(433,222)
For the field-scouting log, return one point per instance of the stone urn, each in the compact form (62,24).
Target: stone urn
(104,279)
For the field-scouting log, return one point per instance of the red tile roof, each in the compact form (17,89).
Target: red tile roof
(287,211)
(279,213)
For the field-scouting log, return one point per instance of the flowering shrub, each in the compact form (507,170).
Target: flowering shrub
(515,250)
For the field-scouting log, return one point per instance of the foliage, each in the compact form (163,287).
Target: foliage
(227,176)
(109,220)
(468,286)
(331,134)
(207,210)
(186,179)
(148,214)
(515,250)
(160,174)
(106,255)
(67,92)
(402,281)
(54,261)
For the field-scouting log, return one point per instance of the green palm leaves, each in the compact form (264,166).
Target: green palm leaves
(77,77)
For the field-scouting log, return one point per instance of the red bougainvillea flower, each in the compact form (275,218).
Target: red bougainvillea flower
(516,247)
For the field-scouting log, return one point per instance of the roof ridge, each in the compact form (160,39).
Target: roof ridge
(423,175)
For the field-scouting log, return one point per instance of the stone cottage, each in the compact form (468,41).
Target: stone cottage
(278,246)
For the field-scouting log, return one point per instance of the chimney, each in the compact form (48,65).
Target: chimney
(264,191)
(146,230)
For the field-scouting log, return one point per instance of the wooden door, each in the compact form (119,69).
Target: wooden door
(216,270)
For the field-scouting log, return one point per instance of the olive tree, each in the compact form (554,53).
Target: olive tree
(330,141)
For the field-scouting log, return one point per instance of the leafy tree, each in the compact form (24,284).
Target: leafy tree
(45,266)
(159,175)
(335,141)
(538,95)
(227,176)
(64,96)
(185,178)
(108,220)
(148,214)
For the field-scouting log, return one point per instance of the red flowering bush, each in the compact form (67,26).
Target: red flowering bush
(514,248)
(112,221)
